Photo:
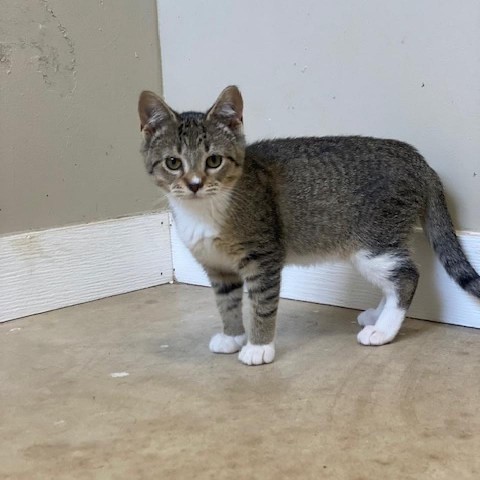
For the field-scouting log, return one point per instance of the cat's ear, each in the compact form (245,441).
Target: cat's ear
(154,112)
(228,108)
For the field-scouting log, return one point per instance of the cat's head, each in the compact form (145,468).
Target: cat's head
(193,155)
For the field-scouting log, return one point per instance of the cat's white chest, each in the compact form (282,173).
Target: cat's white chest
(198,226)
(194,224)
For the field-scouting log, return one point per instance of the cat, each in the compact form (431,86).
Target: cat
(246,211)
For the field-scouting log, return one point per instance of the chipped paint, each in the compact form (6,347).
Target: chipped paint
(47,49)
(6,57)
(71,65)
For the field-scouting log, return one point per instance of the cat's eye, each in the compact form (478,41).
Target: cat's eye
(214,161)
(173,163)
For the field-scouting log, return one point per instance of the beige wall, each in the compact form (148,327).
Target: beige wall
(70,75)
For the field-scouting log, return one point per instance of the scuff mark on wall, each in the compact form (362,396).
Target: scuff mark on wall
(6,57)
(36,37)
(71,46)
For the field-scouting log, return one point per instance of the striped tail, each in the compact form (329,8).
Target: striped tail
(441,234)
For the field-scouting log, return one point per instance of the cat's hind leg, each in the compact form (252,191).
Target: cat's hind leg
(370,316)
(396,274)
(228,295)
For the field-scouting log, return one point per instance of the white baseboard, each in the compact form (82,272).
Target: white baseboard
(45,270)
(41,271)
(438,297)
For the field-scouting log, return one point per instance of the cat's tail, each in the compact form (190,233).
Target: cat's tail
(439,229)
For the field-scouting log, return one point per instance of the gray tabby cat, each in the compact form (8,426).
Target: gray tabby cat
(246,211)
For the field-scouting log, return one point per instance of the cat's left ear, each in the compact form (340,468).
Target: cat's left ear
(228,108)
(153,112)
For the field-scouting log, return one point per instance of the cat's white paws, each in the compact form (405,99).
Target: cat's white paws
(369,335)
(257,354)
(368,317)
(221,343)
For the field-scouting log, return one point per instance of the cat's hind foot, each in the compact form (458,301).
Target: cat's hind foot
(370,335)
(257,354)
(368,317)
(221,343)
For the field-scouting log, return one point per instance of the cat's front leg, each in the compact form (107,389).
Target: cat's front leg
(228,295)
(263,291)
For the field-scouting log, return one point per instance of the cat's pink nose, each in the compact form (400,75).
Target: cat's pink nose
(195,187)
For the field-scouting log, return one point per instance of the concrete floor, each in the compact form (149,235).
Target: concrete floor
(327,408)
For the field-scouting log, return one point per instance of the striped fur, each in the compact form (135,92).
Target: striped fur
(298,200)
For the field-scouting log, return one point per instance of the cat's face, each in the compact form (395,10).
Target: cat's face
(191,155)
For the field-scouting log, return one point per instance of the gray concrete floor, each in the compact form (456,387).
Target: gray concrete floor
(327,408)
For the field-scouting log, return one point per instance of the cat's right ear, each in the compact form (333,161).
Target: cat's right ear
(228,108)
(154,113)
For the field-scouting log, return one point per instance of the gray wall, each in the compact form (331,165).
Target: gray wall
(70,75)
(408,70)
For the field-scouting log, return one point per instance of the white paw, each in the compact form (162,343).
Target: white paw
(368,317)
(221,343)
(257,354)
(369,335)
